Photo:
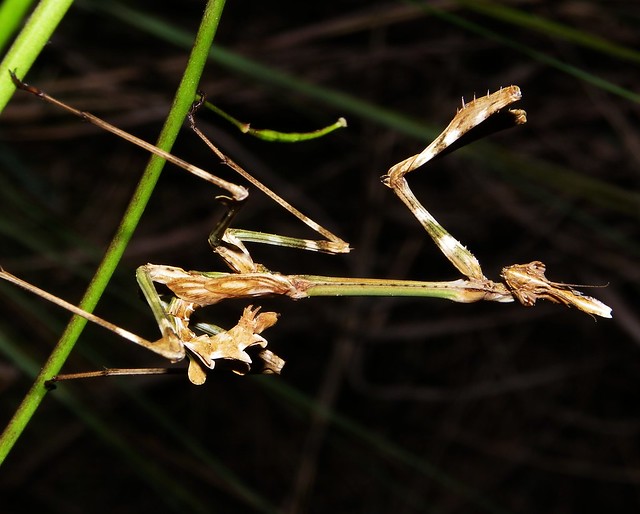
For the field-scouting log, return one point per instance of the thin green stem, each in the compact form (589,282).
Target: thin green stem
(182,102)
(30,42)
(274,135)
(12,12)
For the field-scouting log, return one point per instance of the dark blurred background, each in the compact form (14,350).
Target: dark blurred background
(384,405)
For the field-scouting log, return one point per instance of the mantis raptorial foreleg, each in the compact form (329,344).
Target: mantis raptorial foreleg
(206,344)
(526,282)
(470,117)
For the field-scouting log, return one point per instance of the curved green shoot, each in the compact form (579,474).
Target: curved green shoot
(275,136)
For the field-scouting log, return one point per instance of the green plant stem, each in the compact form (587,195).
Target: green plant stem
(184,96)
(29,43)
(12,12)
(275,135)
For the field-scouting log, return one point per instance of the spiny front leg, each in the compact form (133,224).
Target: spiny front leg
(466,120)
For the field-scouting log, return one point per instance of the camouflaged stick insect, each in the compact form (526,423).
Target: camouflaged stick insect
(195,289)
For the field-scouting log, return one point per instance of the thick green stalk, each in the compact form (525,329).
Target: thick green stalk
(29,43)
(184,96)
(12,12)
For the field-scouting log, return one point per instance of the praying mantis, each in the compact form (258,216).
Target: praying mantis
(206,344)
